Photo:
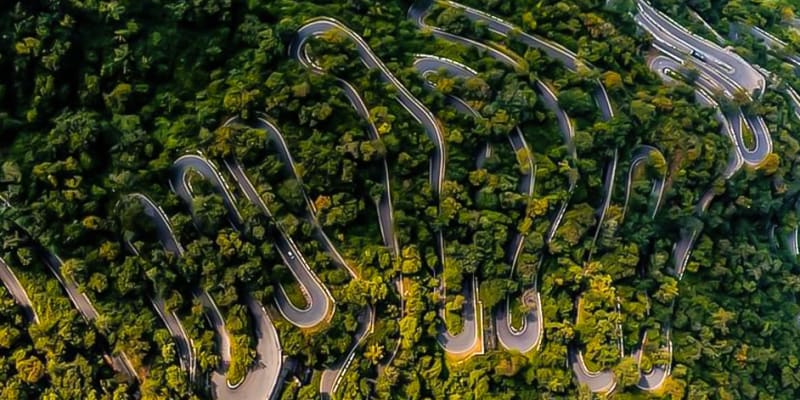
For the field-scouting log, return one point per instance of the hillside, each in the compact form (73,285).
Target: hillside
(230,199)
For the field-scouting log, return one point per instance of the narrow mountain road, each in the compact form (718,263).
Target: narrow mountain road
(163,229)
(16,290)
(262,379)
(470,340)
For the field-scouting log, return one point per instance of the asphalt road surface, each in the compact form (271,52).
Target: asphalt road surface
(597,382)
(731,124)
(120,362)
(530,334)
(731,66)
(434,130)
(298,50)
(385,210)
(712,79)
(17,291)
(262,379)
(654,378)
(420,9)
(173,324)
(321,303)
(641,155)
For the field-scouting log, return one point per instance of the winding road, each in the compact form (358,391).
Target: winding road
(320,300)
(791,237)
(262,379)
(385,210)
(654,378)
(641,155)
(658,374)
(732,123)
(720,71)
(120,362)
(773,43)
(319,26)
(529,336)
(170,319)
(710,80)
(711,58)
(418,12)
(469,341)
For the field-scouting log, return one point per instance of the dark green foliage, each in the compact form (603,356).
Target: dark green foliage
(98,98)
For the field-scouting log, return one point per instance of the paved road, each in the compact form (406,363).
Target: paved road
(792,242)
(503,28)
(641,155)
(170,319)
(548,98)
(317,293)
(331,377)
(732,124)
(119,362)
(262,380)
(432,127)
(731,66)
(461,343)
(605,380)
(199,164)
(319,26)
(652,379)
(717,37)
(385,205)
(771,42)
(420,10)
(608,192)
(17,291)
(529,336)
(464,343)
(656,377)
(182,187)
(711,80)
(597,381)
(320,302)
(163,228)
(664,66)
(795,100)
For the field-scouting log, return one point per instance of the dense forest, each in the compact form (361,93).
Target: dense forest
(403,197)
